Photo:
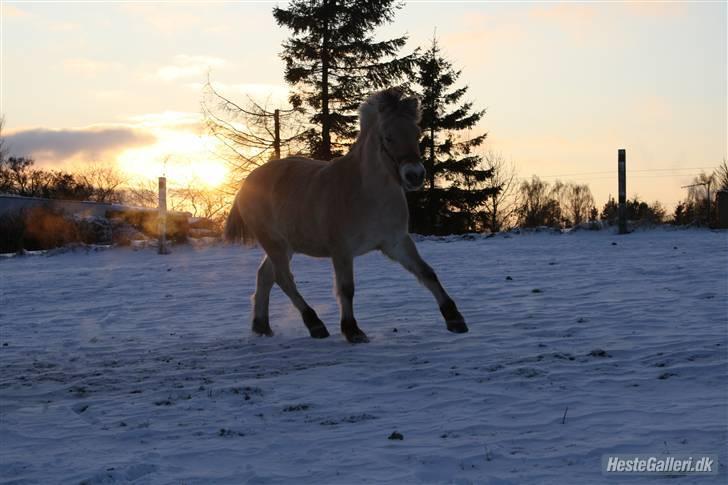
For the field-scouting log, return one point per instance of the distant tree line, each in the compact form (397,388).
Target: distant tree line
(567,204)
(19,176)
(694,209)
(638,211)
(554,205)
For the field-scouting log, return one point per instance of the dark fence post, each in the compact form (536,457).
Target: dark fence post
(622,167)
(722,208)
(710,219)
(277,134)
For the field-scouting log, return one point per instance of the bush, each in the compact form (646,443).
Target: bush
(36,228)
(47,228)
(148,223)
(12,229)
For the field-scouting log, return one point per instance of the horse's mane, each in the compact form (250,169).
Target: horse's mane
(388,102)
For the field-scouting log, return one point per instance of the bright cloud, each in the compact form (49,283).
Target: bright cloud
(185,158)
(166,19)
(189,66)
(168,119)
(12,11)
(90,67)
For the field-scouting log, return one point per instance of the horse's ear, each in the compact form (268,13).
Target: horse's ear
(367,114)
(411,106)
(388,100)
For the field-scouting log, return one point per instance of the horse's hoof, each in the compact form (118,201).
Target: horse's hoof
(351,331)
(357,337)
(458,326)
(261,327)
(319,331)
(315,326)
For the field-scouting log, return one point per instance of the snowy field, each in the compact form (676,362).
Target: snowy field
(124,365)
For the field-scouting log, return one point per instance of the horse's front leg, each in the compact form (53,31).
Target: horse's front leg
(344,271)
(405,253)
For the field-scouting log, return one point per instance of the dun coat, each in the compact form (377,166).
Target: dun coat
(339,210)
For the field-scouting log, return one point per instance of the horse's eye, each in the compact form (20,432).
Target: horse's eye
(388,139)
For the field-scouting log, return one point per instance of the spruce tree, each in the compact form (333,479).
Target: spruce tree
(333,63)
(455,191)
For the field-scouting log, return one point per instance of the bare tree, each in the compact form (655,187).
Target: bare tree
(698,190)
(536,207)
(141,193)
(500,206)
(700,194)
(106,180)
(560,193)
(251,134)
(200,202)
(3,146)
(721,176)
(579,202)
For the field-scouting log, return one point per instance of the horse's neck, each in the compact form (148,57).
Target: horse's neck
(375,174)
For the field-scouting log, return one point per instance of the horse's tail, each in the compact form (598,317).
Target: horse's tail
(236,230)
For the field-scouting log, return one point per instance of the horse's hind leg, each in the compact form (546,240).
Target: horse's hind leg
(264,283)
(280,258)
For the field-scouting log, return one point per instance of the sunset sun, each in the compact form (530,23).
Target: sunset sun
(183,157)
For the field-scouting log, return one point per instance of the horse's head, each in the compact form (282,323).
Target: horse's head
(398,135)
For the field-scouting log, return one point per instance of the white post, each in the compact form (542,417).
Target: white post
(163,216)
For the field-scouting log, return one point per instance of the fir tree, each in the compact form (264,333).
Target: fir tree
(333,63)
(455,190)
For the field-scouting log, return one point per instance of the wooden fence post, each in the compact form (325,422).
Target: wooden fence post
(162,214)
(622,168)
(710,219)
(277,134)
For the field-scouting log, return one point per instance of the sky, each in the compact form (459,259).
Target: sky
(564,85)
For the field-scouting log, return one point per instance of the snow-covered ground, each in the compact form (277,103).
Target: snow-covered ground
(128,366)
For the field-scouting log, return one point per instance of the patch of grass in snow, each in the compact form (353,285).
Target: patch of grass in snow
(599,353)
(349,419)
(295,407)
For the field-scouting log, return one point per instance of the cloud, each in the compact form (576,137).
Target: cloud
(12,11)
(577,20)
(481,37)
(566,13)
(656,9)
(185,66)
(36,20)
(87,143)
(62,26)
(195,18)
(176,120)
(90,67)
(165,19)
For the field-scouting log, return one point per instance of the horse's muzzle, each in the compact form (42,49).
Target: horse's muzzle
(412,175)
